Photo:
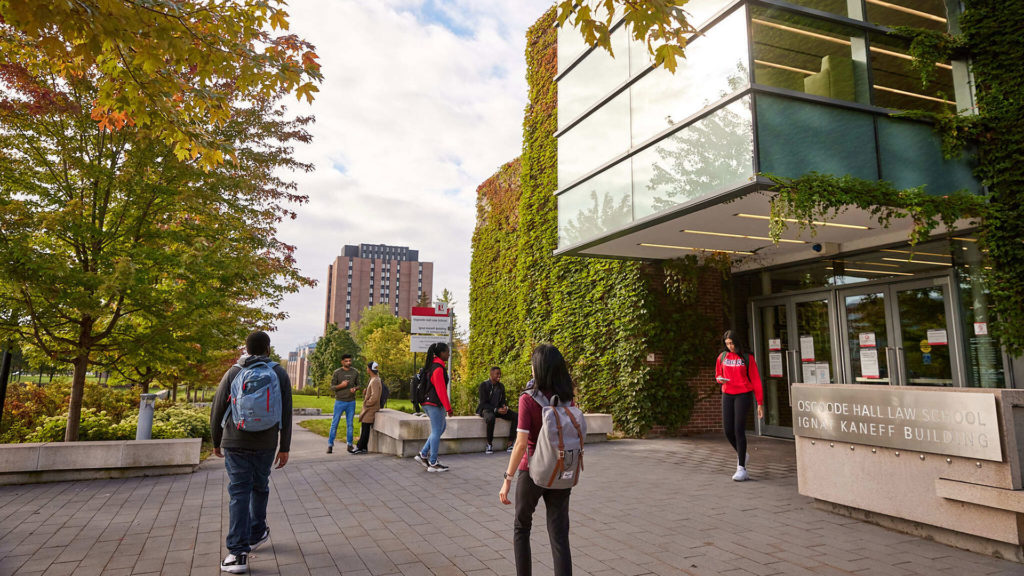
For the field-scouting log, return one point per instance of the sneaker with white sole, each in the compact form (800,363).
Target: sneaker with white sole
(421,459)
(489,450)
(235,564)
(741,474)
(437,467)
(259,541)
(509,448)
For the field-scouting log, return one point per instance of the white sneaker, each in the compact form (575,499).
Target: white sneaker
(421,459)
(741,474)
(489,450)
(235,564)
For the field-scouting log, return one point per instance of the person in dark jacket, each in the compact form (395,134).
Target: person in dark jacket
(248,457)
(493,405)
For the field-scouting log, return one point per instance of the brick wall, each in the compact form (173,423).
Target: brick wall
(707,412)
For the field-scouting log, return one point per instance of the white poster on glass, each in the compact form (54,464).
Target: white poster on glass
(807,348)
(867,339)
(822,371)
(775,364)
(937,337)
(810,373)
(869,363)
(775,343)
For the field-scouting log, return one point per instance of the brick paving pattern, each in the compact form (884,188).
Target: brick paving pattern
(661,507)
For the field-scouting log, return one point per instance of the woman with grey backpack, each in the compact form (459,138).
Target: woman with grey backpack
(553,387)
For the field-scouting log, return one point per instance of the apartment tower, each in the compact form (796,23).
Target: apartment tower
(371,274)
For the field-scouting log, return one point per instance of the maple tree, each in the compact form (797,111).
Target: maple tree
(177,67)
(114,250)
(660,25)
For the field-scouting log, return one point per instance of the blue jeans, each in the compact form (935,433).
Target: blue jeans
(349,408)
(437,425)
(249,489)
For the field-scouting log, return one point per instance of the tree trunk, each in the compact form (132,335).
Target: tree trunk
(81,365)
(145,386)
(174,390)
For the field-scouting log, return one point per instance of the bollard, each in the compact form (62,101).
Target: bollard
(147,404)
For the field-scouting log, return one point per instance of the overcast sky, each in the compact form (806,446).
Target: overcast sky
(422,101)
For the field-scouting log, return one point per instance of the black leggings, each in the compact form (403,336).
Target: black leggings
(735,408)
(364,436)
(556,504)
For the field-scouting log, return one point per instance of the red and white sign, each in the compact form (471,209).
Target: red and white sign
(429,321)
(937,337)
(980,328)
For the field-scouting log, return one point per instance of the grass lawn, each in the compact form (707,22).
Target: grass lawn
(323,428)
(326,404)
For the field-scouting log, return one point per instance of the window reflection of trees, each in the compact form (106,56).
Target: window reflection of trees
(921,309)
(602,213)
(711,154)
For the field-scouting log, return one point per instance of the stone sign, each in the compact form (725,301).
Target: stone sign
(953,423)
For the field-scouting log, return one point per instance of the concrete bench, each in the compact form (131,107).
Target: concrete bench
(62,461)
(403,434)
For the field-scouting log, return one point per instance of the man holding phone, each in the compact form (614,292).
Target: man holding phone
(345,383)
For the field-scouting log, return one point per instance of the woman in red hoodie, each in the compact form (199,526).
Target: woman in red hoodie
(737,372)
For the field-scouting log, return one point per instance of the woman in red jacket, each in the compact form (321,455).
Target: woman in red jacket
(737,372)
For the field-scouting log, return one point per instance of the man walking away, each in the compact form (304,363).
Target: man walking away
(344,382)
(492,405)
(252,412)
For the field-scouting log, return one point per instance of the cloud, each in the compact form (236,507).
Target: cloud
(422,101)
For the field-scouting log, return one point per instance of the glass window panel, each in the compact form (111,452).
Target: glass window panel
(808,55)
(911,155)
(713,154)
(796,137)
(840,7)
(715,66)
(898,86)
(866,314)
(928,14)
(594,141)
(776,387)
(570,46)
(599,205)
(592,79)
(812,321)
(924,363)
(698,12)
(983,352)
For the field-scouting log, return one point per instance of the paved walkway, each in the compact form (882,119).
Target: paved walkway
(663,507)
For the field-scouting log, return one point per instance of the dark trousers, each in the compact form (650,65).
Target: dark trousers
(364,436)
(556,503)
(249,489)
(735,408)
(490,416)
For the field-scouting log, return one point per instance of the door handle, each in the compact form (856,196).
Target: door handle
(890,366)
(900,361)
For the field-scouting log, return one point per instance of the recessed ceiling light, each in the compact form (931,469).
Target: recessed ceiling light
(815,222)
(693,249)
(962,239)
(886,272)
(917,253)
(726,235)
(917,261)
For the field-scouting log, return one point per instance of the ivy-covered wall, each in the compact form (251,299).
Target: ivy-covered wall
(605,315)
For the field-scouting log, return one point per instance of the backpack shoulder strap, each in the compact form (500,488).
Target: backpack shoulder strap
(538,397)
(721,357)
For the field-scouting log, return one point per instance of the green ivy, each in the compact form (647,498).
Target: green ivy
(604,315)
(815,197)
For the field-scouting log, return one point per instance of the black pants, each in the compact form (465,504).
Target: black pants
(556,503)
(735,408)
(364,436)
(490,416)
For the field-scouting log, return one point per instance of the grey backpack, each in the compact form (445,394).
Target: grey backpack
(557,461)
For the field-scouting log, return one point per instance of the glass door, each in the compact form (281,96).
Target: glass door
(866,322)
(901,334)
(793,342)
(772,319)
(924,350)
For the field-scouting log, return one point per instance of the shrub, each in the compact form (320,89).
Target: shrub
(94,426)
(174,421)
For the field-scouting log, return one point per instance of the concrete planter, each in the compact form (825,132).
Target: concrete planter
(61,461)
(403,434)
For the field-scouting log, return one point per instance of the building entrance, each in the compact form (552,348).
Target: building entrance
(884,332)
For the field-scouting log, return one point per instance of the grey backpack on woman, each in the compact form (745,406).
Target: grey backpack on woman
(557,461)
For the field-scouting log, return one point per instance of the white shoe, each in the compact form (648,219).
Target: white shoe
(741,474)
